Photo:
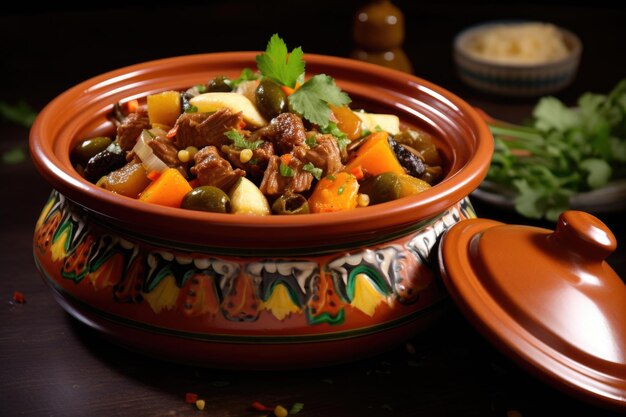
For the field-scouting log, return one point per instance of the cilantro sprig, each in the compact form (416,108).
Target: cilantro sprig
(561,152)
(278,66)
(240,141)
(311,100)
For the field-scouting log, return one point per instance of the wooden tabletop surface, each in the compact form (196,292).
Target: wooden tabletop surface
(52,365)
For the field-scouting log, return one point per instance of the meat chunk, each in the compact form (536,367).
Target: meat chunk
(274,183)
(165,151)
(325,155)
(285,131)
(257,164)
(130,128)
(205,129)
(212,169)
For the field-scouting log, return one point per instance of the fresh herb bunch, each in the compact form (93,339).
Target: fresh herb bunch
(312,98)
(561,152)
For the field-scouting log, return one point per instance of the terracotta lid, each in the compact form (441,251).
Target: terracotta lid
(547,299)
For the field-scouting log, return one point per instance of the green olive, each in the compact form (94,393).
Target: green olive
(206,198)
(383,187)
(220,84)
(290,203)
(88,148)
(270,99)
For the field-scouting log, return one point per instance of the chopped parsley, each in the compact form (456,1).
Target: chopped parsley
(342,138)
(341,189)
(240,141)
(246,75)
(311,141)
(286,170)
(191,109)
(313,170)
(201,88)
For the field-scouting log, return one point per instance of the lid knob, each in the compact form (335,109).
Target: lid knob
(585,235)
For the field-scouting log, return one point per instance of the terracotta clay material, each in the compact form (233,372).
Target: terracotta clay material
(241,291)
(548,299)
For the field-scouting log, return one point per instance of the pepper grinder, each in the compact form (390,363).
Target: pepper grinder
(378,31)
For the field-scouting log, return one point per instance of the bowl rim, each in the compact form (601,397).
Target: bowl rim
(45,154)
(573,42)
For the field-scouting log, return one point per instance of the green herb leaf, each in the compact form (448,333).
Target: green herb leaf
(191,109)
(561,152)
(276,65)
(311,141)
(14,156)
(342,138)
(315,171)
(246,75)
(240,141)
(20,113)
(201,88)
(296,408)
(312,99)
(286,170)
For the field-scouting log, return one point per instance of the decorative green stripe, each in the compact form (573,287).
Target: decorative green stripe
(226,338)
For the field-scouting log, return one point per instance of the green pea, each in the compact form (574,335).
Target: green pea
(207,198)
(270,99)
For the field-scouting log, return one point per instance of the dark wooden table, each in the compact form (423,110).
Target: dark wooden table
(51,365)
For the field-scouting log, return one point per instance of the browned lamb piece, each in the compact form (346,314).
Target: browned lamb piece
(274,183)
(130,129)
(324,155)
(165,150)
(211,169)
(206,129)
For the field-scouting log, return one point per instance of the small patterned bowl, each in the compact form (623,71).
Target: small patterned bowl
(511,78)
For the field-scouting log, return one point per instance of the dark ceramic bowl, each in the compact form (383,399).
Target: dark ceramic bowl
(241,291)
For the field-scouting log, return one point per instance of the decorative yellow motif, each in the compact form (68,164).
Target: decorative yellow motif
(164,295)
(366,296)
(44,213)
(280,303)
(57,250)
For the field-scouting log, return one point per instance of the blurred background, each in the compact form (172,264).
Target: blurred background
(50,48)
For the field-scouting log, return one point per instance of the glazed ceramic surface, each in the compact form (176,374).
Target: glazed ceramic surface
(242,291)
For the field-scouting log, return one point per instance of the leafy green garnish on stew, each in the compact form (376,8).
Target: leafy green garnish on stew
(278,66)
(311,99)
(561,152)
(333,129)
(285,170)
(246,75)
(313,170)
(240,141)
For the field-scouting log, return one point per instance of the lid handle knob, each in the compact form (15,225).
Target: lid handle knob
(585,234)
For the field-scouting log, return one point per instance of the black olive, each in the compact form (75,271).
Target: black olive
(410,162)
(110,159)
(270,99)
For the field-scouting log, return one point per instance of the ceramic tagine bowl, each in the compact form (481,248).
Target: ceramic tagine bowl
(242,291)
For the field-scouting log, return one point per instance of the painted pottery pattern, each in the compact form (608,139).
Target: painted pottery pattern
(134,278)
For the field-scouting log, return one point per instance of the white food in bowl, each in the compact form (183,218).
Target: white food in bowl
(520,43)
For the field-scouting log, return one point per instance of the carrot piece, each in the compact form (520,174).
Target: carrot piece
(336,192)
(286,158)
(288,90)
(376,156)
(167,190)
(132,106)
(153,175)
(357,171)
(172,132)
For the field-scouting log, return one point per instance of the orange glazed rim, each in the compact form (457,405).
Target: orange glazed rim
(82,111)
